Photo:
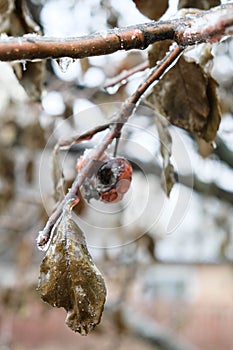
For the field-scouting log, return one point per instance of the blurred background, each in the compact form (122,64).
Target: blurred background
(167,263)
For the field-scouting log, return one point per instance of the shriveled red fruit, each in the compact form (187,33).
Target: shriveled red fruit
(113,179)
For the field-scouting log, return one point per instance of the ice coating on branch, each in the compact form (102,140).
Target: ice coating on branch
(103,33)
(31,36)
(201,25)
(111,90)
(4,37)
(117,32)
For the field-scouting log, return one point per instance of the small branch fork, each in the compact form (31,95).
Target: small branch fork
(194,28)
(126,110)
(123,76)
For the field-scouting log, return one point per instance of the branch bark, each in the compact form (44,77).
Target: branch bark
(126,110)
(196,28)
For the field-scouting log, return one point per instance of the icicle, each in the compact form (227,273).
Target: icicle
(24,65)
(111,90)
(213,144)
(64,63)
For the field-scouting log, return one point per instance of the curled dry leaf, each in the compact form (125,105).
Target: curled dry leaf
(157,51)
(6,8)
(199,4)
(187,96)
(165,139)
(16,20)
(57,176)
(69,278)
(31,77)
(151,9)
(166,150)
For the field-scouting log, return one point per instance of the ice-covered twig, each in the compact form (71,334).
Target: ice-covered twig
(126,110)
(83,137)
(192,29)
(123,76)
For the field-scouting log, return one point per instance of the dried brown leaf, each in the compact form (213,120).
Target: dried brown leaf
(149,242)
(199,4)
(31,77)
(165,139)
(21,20)
(32,136)
(151,9)
(187,97)
(169,179)
(214,117)
(162,125)
(158,51)
(7,175)
(84,64)
(6,8)
(204,148)
(69,278)
(16,20)
(57,176)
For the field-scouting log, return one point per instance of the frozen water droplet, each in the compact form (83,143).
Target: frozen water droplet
(36,28)
(213,144)
(103,33)
(117,32)
(24,65)
(64,63)
(111,90)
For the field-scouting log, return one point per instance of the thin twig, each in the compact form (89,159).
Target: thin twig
(84,137)
(190,30)
(123,76)
(156,73)
(126,110)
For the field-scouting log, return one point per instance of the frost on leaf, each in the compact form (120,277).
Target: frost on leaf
(187,96)
(69,278)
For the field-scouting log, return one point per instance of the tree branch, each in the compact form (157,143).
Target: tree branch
(126,110)
(190,30)
(123,76)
